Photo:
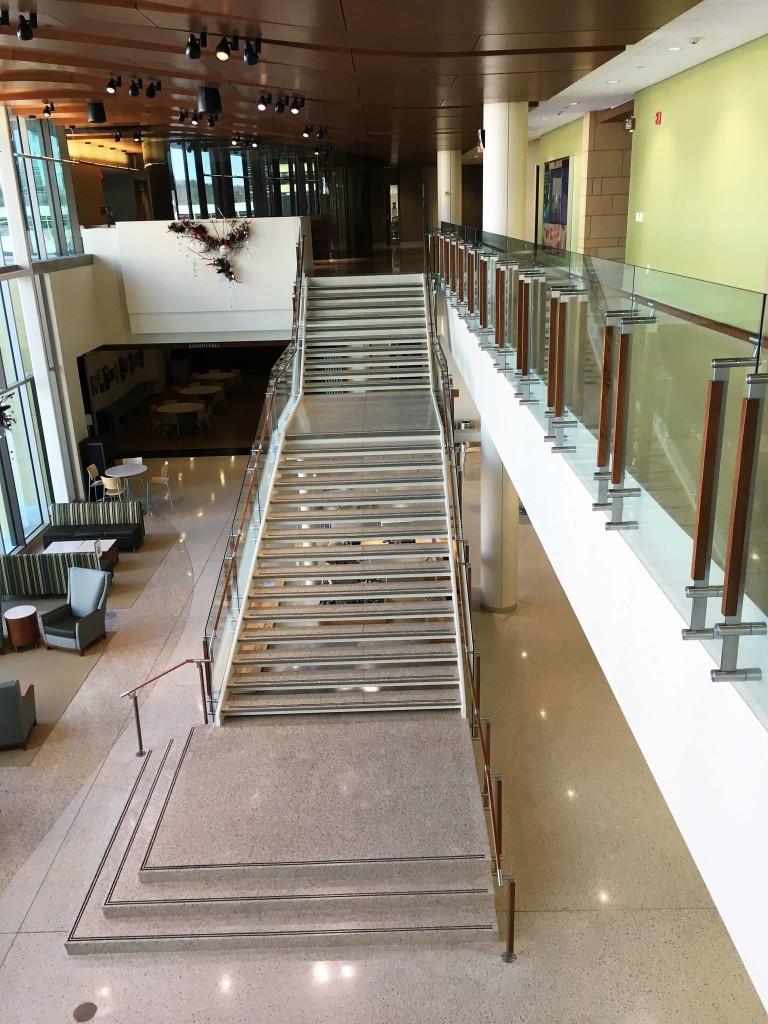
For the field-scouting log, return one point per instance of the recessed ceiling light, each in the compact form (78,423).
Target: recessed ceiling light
(613,81)
(573,103)
(673,48)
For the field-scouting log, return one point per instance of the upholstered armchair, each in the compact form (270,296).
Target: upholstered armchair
(80,622)
(17,714)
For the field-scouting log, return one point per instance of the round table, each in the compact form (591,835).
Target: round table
(126,471)
(179,408)
(221,375)
(23,629)
(201,389)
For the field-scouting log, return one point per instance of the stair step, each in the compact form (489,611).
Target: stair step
(342,700)
(431,528)
(431,609)
(359,479)
(380,344)
(350,465)
(372,633)
(294,451)
(390,590)
(362,572)
(320,553)
(417,654)
(395,513)
(383,677)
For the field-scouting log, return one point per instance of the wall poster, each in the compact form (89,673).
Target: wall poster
(555,217)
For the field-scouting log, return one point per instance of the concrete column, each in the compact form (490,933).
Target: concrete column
(449,185)
(499,507)
(505,166)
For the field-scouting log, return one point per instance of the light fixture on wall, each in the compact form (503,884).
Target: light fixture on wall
(251,52)
(195,45)
(113,85)
(264,101)
(48,109)
(24,30)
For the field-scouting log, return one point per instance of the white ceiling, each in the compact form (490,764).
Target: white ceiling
(707,30)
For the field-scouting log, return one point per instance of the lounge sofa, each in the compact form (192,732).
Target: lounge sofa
(90,520)
(32,576)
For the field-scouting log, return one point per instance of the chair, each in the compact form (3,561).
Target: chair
(114,488)
(18,714)
(171,421)
(81,621)
(154,423)
(161,479)
(133,461)
(204,417)
(94,480)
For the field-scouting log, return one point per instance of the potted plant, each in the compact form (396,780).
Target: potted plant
(6,418)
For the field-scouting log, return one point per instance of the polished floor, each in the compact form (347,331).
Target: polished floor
(615,925)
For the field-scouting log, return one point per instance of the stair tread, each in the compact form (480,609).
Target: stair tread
(344,698)
(369,573)
(373,632)
(364,676)
(441,608)
(353,591)
(427,528)
(372,652)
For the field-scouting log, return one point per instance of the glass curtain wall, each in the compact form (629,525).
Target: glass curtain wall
(46,190)
(275,180)
(25,491)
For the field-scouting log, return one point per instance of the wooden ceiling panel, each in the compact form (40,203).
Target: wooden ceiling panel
(405,78)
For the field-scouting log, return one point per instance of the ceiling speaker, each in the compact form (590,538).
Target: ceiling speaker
(208,100)
(96,113)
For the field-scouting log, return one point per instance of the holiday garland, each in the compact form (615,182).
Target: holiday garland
(225,243)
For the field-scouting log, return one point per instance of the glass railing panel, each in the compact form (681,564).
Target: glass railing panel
(753,651)
(611,283)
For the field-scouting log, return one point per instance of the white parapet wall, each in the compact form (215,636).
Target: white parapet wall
(706,749)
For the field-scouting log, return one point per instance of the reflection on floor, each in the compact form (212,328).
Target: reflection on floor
(397,260)
(615,924)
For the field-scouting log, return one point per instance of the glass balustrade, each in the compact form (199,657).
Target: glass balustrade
(615,361)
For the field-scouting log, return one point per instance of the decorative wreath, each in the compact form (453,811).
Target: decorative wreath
(226,242)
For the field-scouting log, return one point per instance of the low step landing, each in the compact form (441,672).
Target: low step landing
(302,833)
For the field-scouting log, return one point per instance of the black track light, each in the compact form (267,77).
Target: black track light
(24,31)
(255,142)
(223,50)
(113,85)
(307,131)
(189,147)
(137,135)
(296,106)
(96,112)
(235,140)
(322,131)
(211,120)
(134,87)
(195,45)
(264,101)
(279,105)
(182,116)
(251,52)
(48,109)
(195,119)
(317,151)
(153,89)
(118,135)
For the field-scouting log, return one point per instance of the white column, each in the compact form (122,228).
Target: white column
(505,160)
(449,185)
(499,510)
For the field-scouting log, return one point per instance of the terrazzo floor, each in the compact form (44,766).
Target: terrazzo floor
(615,923)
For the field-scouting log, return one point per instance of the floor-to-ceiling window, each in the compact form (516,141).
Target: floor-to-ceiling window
(24,477)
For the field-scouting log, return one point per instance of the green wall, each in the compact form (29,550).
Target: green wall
(699,177)
(566,141)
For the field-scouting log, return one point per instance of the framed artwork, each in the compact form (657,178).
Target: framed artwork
(555,207)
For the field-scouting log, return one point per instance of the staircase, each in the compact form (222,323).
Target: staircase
(364,337)
(351,606)
(301,824)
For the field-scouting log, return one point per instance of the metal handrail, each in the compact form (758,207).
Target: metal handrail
(469,657)
(133,692)
(285,358)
